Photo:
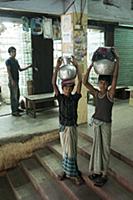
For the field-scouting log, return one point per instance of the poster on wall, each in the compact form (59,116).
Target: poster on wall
(47,28)
(66,28)
(67,38)
(80,45)
(67,49)
(56,30)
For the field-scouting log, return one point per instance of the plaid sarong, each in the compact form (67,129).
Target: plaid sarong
(69,145)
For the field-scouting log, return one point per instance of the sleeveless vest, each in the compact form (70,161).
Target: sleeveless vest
(103,109)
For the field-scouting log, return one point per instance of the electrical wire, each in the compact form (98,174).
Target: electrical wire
(69,7)
(82,11)
(82,7)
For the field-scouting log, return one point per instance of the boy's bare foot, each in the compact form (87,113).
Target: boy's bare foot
(78,180)
(62,176)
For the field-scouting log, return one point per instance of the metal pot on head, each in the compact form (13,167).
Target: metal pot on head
(103,60)
(104,67)
(67,70)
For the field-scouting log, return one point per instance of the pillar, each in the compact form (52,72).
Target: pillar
(74,42)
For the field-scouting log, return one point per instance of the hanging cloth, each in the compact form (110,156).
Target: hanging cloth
(25,22)
(36,26)
(47,28)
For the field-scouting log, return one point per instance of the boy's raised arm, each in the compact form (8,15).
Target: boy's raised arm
(79,85)
(87,84)
(115,76)
(54,78)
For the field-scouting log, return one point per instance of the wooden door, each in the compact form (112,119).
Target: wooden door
(42,56)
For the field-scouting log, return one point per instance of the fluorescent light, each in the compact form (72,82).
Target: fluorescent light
(126,25)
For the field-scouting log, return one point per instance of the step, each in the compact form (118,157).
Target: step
(111,190)
(118,169)
(21,185)
(6,192)
(42,181)
(53,164)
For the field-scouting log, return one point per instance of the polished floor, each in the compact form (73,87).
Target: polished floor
(47,120)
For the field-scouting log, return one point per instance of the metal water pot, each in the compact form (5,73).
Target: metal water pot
(104,67)
(103,60)
(67,70)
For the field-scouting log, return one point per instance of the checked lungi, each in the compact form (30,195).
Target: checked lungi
(68,140)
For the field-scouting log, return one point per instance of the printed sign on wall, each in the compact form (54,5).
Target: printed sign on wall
(66,28)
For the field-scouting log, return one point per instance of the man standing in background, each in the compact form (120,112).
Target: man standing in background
(13,69)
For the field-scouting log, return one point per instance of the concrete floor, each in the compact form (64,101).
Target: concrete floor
(122,127)
(12,127)
(24,126)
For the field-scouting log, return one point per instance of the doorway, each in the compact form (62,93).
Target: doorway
(42,54)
